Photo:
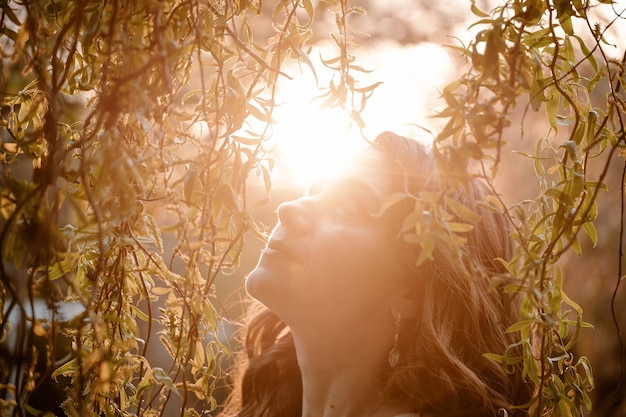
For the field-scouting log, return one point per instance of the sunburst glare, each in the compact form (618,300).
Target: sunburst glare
(311,140)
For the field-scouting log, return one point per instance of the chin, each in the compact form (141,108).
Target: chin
(267,287)
(251,283)
(258,283)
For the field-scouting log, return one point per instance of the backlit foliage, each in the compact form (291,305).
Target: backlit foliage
(554,57)
(125,155)
(127,144)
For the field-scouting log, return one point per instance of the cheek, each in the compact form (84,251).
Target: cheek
(354,269)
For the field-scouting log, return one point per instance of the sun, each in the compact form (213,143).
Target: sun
(312,140)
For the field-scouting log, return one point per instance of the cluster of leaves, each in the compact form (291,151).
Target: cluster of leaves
(126,152)
(345,91)
(125,157)
(556,56)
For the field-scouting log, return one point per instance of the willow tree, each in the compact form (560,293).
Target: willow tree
(123,121)
(558,58)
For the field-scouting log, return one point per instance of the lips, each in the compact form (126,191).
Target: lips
(283,248)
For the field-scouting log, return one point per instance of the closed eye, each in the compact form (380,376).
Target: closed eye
(353,205)
(351,208)
(348,198)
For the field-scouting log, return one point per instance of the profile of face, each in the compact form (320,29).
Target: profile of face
(353,316)
(331,259)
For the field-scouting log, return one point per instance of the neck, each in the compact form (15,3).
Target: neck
(343,376)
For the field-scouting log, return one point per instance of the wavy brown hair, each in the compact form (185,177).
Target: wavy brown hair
(462,314)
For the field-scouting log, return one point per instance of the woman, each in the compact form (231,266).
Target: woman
(351,326)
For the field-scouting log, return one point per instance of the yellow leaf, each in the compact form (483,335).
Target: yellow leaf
(495,203)
(426,250)
(462,211)
(459,227)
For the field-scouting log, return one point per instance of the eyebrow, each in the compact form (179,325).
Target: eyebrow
(353,184)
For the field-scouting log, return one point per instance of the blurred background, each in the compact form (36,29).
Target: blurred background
(403,43)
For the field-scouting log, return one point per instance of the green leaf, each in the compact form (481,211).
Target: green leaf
(551,108)
(56,270)
(477,11)
(539,169)
(369,88)
(427,247)
(590,230)
(521,325)
(162,377)
(68,369)
(459,227)
(580,8)
(391,201)
(564,13)
(493,357)
(492,53)
(462,211)
(536,93)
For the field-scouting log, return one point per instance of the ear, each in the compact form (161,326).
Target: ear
(405,306)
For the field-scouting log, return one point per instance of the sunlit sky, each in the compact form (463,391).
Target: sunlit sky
(311,139)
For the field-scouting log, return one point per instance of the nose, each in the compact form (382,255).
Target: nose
(296,215)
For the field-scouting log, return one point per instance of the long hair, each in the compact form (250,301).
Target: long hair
(443,369)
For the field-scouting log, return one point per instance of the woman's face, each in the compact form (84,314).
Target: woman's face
(330,258)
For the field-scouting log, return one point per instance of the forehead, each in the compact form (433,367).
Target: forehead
(366,167)
(364,161)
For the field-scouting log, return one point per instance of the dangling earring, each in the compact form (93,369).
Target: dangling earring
(394,354)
